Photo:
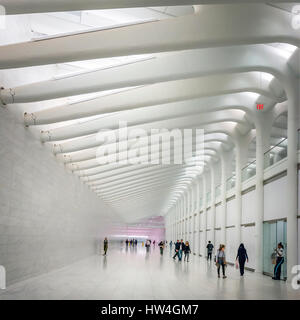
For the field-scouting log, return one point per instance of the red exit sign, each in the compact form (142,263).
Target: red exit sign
(260,106)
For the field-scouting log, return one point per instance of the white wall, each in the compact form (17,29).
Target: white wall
(201,221)
(209,235)
(48,218)
(202,244)
(209,218)
(197,222)
(275,199)
(218,216)
(231,213)
(248,201)
(248,240)
(231,244)
(217,239)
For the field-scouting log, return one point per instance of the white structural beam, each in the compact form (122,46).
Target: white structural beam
(222,132)
(187,118)
(161,93)
(187,32)
(173,66)
(31,6)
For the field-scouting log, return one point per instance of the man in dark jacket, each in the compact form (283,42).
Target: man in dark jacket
(177,247)
(181,249)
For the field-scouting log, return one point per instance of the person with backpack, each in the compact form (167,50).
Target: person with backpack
(241,258)
(209,248)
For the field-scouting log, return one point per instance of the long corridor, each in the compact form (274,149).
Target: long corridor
(131,274)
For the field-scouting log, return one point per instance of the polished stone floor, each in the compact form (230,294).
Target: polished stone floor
(135,274)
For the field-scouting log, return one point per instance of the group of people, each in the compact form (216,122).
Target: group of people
(131,242)
(220,257)
(180,248)
(161,245)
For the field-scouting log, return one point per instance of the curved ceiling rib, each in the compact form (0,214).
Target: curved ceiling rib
(161,93)
(180,33)
(31,6)
(175,66)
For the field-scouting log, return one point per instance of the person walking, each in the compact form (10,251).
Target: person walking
(181,249)
(161,247)
(187,251)
(105,246)
(126,242)
(147,245)
(177,247)
(171,244)
(221,260)
(210,248)
(241,258)
(279,261)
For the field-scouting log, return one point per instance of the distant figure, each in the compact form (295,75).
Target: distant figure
(241,258)
(148,243)
(127,242)
(135,242)
(161,247)
(105,246)
(279,261)
(153,243)
(210,249)
(171,244)
(187,251)
(221,260)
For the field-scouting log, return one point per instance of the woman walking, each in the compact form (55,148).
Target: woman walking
(241,258)
(221,260)
(279,261)
(187,251)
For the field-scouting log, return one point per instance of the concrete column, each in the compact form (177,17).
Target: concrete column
(204,220)
(183,216)
(292,177)
(186,214)
(191,225)
(200,195)
(213,203)
(263,129)
(242,142)
(187,238)
(223,196)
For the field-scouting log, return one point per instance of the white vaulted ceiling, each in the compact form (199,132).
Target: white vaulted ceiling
(154,64)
